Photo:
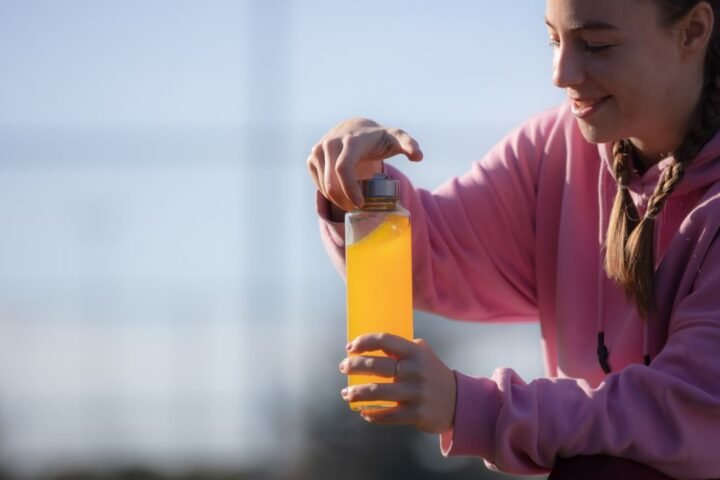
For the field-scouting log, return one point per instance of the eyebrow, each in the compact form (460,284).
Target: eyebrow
(589,25)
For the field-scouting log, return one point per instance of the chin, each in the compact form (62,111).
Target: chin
(596,133)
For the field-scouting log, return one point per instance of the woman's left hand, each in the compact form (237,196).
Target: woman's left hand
(424,386)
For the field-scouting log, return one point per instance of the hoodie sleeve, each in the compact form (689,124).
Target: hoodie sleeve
(666,415)
(473,237)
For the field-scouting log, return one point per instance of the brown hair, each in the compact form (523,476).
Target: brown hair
(629,257)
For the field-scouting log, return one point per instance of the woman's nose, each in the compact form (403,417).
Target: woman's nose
(568,68)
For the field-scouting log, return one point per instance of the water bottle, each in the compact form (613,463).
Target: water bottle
(379,272)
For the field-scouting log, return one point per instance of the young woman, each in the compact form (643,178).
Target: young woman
(600,218)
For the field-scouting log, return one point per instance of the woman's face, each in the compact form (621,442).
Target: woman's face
(624,71)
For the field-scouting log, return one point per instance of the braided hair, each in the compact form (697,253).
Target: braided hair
(629,243)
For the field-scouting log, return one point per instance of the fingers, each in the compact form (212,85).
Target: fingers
(345,170)
(351,151)
(379,366)
(393,392)
(386,367)
(423,386)
(334,176)
(407,145)
(400,415)
(315,163)
(392,345)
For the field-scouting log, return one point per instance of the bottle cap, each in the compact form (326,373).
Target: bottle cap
(380,186)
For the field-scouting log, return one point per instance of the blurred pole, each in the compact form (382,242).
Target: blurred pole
(268,222)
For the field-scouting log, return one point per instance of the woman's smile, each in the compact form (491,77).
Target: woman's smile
(585,107)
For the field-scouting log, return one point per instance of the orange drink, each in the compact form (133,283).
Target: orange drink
(379,282)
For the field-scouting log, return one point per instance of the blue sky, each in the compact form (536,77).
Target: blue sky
(163,62)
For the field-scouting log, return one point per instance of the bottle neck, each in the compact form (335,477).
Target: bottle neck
(380,204)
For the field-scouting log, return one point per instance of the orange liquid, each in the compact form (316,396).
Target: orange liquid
(379,291)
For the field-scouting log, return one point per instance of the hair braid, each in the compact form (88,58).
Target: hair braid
(623,216)
(629,256)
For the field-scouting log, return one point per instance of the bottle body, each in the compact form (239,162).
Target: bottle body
(379,280)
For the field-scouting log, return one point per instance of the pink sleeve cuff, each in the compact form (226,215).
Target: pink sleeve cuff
(476,411)
(334,230)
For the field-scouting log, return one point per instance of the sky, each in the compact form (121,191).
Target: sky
(159,233)
(162,62)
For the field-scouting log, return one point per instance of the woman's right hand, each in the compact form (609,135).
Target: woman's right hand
(354,150)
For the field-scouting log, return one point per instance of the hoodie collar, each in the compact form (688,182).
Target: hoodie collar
(702,172)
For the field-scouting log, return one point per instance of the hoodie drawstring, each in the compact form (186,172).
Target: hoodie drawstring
(657,241)
(602,350)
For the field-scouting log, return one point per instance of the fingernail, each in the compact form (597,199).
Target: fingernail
(348,347)
(344,392)
(358,202)
(342,366)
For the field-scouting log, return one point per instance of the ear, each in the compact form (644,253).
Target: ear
(696,27)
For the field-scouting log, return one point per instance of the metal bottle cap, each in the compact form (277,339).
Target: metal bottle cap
(380,186)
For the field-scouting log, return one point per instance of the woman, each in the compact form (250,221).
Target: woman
(602,219)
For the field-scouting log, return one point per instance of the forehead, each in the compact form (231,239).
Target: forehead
(622,14)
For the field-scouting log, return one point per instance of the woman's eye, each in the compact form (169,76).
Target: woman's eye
(587,47)
(592,48)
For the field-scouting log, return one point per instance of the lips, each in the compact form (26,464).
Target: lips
(584,107)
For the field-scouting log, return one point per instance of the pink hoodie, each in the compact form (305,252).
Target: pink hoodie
(519,238)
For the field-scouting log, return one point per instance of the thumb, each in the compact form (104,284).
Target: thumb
(408,145)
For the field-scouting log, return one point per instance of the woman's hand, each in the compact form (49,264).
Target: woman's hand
(424,386)
(352,151)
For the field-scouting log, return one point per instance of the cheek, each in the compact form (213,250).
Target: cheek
(646,84)
(645,101)
(635,93)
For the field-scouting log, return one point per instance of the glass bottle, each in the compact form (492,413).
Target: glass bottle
(379,272)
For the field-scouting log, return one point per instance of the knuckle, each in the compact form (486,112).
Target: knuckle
(390,143)
(312,171)
(316,150)
(330,144)
(351,140)
(396,132)
(341,166)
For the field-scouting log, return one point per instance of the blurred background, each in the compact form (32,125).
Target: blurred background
(166,307)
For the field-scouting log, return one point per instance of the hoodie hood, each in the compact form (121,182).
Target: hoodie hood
(702,173)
